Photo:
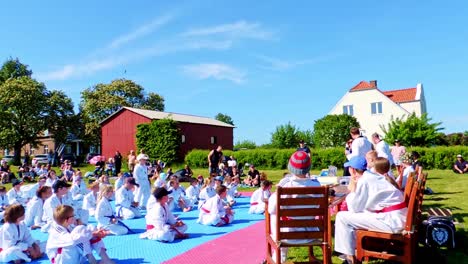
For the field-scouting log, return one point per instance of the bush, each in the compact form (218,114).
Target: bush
(431,158)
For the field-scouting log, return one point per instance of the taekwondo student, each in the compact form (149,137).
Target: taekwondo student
(35,208)
(125,207)
(105,214)
(140,173)
(259,197)
(214,212)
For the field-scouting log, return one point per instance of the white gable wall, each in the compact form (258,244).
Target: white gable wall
(361,101)
(411,107)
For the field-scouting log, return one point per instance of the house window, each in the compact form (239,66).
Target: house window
(376,108)
(348,110)
(214,140)
(46,149)
(183,139)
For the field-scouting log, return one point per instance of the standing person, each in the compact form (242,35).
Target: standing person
(140,173)
(303,147)
(50,157)
(131,161)
(382,148)
(215,157)
(397,151)
(460,166)
(299,166)
(118,162)
(374,202)
(360,145)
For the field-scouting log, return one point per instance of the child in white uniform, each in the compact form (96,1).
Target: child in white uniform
(124,205)
(3,201)
(35,208)
(206,192)
(161,224)
(192,193)
(178,197)
(259,197)
(90,199)
(16,241)
(15,195)
(119,182)
(68,245)
(105,214)
(51,178)
(59,197)
(214,212)
(375,202)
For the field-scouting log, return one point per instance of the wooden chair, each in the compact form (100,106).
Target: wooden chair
(399,247)
(303,208)
(409,186)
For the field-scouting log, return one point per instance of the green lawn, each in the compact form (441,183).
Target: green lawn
(449,192)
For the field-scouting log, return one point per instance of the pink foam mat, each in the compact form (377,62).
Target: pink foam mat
(246,245)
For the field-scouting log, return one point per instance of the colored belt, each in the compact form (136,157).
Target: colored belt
(391,208)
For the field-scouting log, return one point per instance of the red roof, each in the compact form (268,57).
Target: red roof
(363,85)
(401,95)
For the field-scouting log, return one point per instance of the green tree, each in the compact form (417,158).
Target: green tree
(333,130)
(287,136)
(224,118)
(248,144)
(413,131)
(13,68)
(160,139)
(101,100)
(61,119)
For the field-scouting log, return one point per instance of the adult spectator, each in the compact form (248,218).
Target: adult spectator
(253,178)
(397,151)
(461,165)
(26,158)
(50,157)
(99,166)
(360,145)
(417,165)
(347,152)
(140,174)
(303,147)
(117,162)
(131,161)
(187,172)
(215,157)
(5,173)
(382,148)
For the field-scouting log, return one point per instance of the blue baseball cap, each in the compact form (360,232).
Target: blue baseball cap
(357,162)
(219,178)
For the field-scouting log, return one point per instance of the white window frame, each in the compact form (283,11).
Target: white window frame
(376,108)
(348,110)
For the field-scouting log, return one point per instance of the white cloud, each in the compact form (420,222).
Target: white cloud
(141,31)
(282,65)
(216,71)
(239,29)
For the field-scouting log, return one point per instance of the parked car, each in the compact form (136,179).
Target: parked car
(40,159)
(8,158)
(181,175)
(70,157)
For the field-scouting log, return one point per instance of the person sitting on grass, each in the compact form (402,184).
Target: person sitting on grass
(375,202)
(161,224)
(259,197)
(214,212)
(68,243)
(34,208)
(253,177)
(461,165)
(16,241)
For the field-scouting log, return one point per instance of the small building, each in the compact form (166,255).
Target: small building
(118,131)
(373,107)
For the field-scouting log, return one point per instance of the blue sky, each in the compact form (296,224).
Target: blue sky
(264,63)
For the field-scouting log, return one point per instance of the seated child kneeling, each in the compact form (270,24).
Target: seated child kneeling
(161,224)
(16,241)
(214,212)
(257,201)
(69,245)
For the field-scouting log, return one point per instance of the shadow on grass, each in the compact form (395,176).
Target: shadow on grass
(444,193)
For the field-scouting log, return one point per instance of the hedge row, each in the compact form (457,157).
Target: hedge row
(432,158)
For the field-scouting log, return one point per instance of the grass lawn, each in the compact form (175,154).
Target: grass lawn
(449,192)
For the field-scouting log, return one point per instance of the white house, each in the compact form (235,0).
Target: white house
(373,107)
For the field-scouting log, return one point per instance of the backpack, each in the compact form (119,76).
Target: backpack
(438,231)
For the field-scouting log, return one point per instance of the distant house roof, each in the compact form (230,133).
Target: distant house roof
(156,115)
(363,85)
(402,95)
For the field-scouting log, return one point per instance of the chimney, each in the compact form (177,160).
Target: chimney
(373,83)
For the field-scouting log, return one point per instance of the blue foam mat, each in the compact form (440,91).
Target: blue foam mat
(131,249)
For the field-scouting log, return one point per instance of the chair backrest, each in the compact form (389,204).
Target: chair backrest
(413,205)
(409,186)
(302,213)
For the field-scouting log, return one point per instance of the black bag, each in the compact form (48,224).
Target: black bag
(438,231)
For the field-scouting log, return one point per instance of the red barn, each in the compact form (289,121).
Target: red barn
(118,131)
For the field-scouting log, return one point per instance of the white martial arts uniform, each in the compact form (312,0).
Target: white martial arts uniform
(373,192)
(29,191)
(48,211)
(257,201)
(118,183)
(70,247)
(406,173)
(140,173)
(123,204)
(16,197)
(205,194)
(34,212)
(213,212)
(14,240)
(78,192)
(359,147)
(151,203)
(291,181)
(158,224)
(159,183)
(177,195)
(90,202)
(232,191)
(3,202)
(50,182)
(104,215)
(383,150)
(192,193)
